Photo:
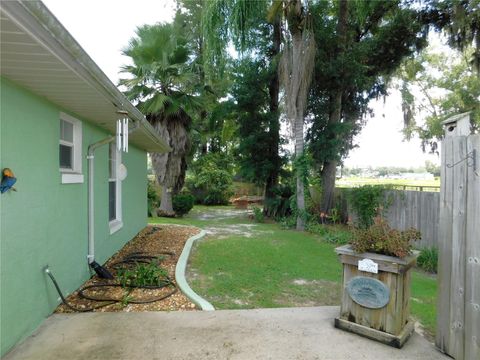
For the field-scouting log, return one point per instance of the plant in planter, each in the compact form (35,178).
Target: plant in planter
(376,283)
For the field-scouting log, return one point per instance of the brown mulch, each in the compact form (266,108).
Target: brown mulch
(153,240)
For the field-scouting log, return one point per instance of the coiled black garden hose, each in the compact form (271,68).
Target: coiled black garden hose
(133,258)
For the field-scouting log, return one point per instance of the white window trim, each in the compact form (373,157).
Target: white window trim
(74,175)
(117,223)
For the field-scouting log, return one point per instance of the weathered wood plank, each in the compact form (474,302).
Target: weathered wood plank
(457,286)
(393,340)
(472,248)
(445,246)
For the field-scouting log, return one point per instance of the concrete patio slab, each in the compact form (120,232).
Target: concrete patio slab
(291,333)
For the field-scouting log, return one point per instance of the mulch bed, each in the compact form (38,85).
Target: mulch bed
(153,240)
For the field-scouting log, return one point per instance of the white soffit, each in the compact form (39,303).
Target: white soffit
(60,71)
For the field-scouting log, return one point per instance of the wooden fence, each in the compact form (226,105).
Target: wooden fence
(458,318)
(416,209)
(406,209)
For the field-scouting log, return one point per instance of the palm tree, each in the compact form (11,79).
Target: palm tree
(162,83)
(226,20)
(296,72)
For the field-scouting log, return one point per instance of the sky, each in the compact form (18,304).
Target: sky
(104,27)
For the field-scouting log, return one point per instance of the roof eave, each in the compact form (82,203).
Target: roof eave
(40,23)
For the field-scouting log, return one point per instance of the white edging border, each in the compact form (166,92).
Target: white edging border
(180,274)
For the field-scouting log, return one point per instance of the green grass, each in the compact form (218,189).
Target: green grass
(358,181)
(423,300)
(278,268)
(256,272)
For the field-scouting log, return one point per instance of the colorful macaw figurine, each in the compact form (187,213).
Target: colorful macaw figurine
(8,179)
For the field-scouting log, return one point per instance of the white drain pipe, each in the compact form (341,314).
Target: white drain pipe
(91,195)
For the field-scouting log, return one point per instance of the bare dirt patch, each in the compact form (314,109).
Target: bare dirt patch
(152,241)
(311,293)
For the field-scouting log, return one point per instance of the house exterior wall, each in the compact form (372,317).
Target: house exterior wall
(45,221)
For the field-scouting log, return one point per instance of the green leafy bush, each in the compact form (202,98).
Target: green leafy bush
(367,201)
(182,203)
(212,182)
(288,222)
(381,238)
(279,205)
(428,259)
(150,274)
(330,234)
(258,214)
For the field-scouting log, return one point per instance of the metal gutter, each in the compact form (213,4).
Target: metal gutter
(35,18)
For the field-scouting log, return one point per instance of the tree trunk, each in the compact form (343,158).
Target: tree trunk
(298,126)
(166,206)
(299,145)
(274,124)
(330,166)
(329,173)
(329,169)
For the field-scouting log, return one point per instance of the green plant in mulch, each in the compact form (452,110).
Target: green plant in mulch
(367,202)
(428,259)
(382,239)
(150,274)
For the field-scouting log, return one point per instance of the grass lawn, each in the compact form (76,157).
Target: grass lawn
(359,181)
(268,266)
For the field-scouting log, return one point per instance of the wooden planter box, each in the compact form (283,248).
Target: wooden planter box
(376,305)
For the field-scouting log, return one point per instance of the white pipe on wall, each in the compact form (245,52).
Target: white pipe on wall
(91,194)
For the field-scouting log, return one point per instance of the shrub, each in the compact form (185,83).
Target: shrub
(330,234)
(258,214)
(153,201)
(211,182)
(381,238)
(182,203)
(367,200)
(288,222)
(279,205)
(428,259)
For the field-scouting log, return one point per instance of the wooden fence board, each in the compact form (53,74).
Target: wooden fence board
(472,276)
(457,253)
(445,246)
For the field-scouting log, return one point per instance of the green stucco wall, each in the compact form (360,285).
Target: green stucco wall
(45,222)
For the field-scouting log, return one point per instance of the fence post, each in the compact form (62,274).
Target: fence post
(458,319)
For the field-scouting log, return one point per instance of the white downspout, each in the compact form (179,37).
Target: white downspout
(91,195)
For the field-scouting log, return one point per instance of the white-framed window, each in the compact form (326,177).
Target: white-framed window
(70,149)
(114,188)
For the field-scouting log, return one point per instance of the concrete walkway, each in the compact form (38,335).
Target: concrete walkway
(294,333)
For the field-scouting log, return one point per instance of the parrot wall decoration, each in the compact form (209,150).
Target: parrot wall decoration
(8,180)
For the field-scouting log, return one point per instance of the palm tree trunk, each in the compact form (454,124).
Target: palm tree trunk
(298,126)
(299,145)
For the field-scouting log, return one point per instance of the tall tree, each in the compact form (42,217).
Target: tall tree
(162,83)
(212,129)
(460,19)
(435,86)
(296,72)
(362,43)
(243,24)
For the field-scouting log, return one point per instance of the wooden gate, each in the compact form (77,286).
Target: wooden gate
(458,305)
